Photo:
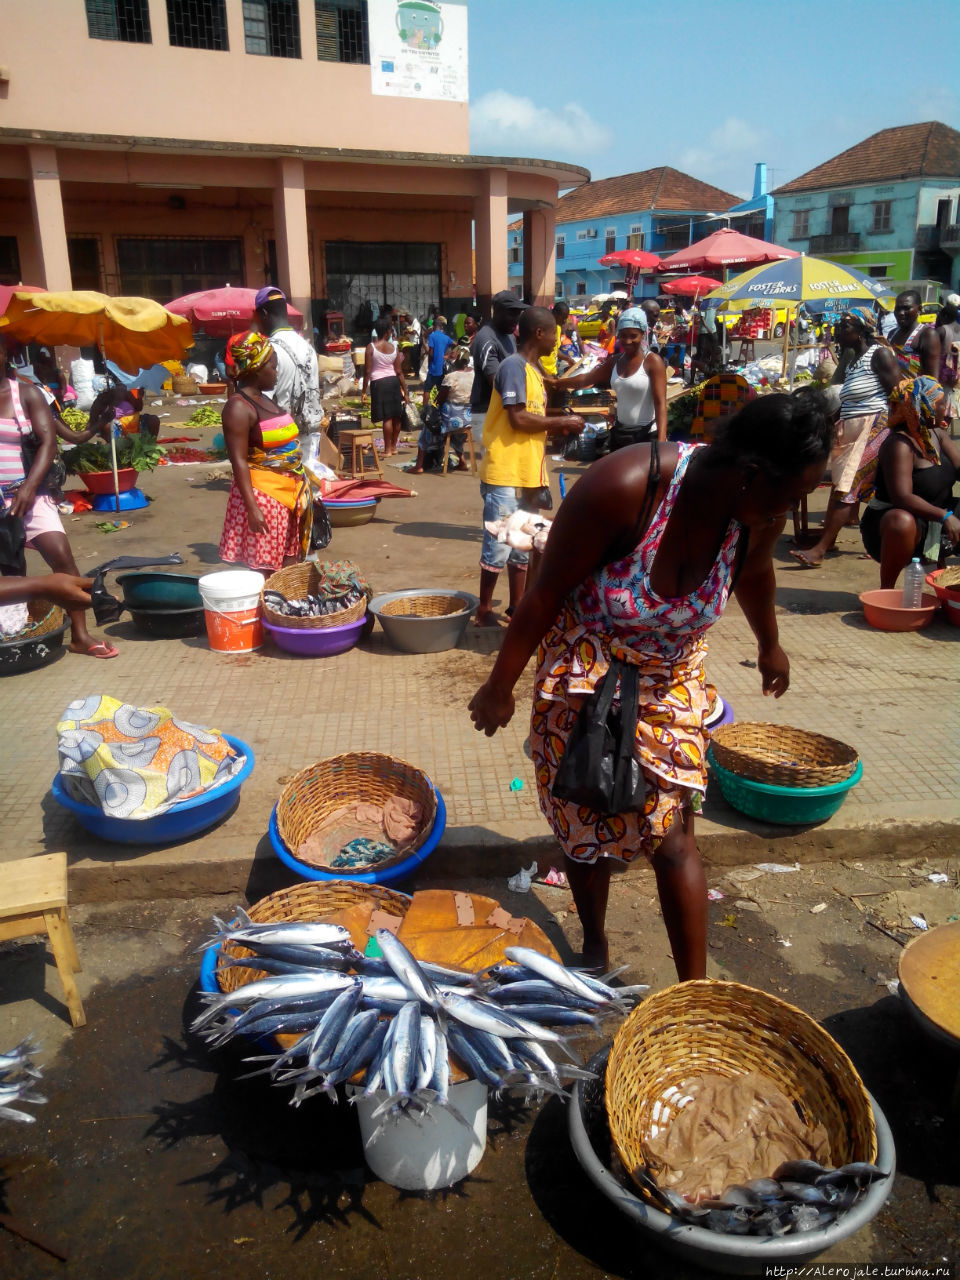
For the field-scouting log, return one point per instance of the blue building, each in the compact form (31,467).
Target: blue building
(754,217)
(659,210)
(888,206)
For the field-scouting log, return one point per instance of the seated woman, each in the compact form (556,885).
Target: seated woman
(270,509)
(917,467)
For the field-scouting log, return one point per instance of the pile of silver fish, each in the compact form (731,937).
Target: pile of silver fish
(801,1196)
(18,1076)
(398,1019)
(311,606)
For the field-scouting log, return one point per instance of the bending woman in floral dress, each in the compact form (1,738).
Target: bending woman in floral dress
(609,587)
(270,507)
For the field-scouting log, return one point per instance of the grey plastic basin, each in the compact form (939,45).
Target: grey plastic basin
(734,1255)
(424,635)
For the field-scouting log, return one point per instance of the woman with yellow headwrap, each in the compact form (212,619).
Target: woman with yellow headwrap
(270,507)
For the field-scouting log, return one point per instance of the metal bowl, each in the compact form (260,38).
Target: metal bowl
(424,635)
(736,1255)
(348,515)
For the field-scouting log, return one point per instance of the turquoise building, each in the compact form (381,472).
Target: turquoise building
(888,206)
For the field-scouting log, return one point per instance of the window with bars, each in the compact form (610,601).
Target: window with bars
(882,210)
(118,20)
(610,240)
(9,260)
(514,255)
(558,288)
(84,254)
(581,288)
(198,24)
(169,266)
(561,246)
(342,34)
(635,238)
(272,27)
(801,224)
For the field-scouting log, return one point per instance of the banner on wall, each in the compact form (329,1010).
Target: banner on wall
(418,48)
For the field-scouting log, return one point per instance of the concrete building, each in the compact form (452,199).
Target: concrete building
(660,210)
(753,217)
(888,206)
(158,147)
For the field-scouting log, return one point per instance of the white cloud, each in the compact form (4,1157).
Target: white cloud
(503,124)
(727,154)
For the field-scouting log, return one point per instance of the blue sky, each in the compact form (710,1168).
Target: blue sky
(709,88)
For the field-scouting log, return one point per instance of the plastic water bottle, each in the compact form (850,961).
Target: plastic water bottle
(913,585)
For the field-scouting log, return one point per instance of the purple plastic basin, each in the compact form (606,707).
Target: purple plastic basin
(316,642)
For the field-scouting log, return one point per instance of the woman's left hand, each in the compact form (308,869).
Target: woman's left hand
(774,666)
(22,500)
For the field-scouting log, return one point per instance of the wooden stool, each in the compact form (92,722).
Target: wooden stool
(747,352)
(33,899)
(468,441)
(352,444)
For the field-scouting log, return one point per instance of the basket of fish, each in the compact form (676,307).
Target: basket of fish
(18,1080)
(400,1034)
(735,1111)
(302,596)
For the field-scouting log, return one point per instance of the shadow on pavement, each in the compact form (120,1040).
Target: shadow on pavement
(426,529)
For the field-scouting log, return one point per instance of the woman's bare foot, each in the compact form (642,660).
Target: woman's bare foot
(808,559)
(596,955)
(487,618)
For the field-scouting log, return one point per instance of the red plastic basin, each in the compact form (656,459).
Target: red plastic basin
(884,610)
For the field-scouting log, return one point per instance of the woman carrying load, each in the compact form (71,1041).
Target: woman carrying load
(270,507)
(639,564)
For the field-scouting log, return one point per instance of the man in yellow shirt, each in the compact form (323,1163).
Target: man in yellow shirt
(513,466)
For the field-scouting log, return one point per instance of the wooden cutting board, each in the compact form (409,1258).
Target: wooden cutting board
(929,971)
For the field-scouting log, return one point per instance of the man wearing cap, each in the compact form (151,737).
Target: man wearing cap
(493,343)
(298,376)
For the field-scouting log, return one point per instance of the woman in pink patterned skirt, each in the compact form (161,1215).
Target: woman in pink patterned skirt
(639,564)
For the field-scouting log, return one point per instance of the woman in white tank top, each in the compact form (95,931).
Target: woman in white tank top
(638,379)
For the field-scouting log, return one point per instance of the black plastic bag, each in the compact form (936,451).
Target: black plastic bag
(599,768)
(321,532)
(13,541)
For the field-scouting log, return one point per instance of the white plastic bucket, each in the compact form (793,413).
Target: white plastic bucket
(231,609)
(437,1152)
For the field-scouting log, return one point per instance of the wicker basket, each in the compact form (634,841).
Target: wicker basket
(424,606)
(44,618)
(729,1029)
(782,756)
(303,902)
(300,580)
(183,385)
(317,792)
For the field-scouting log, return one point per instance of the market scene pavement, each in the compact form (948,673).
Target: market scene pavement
(151,1128)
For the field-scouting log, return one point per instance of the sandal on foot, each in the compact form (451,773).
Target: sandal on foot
(99,649)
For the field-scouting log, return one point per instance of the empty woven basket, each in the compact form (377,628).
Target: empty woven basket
(678,1034)
(431,606)
(317,792)
(782,756)
(308,901)
(299,580)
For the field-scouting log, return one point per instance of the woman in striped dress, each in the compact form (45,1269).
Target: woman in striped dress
(871,375)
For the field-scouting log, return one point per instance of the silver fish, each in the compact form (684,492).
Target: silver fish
(553,972)
(428,1051)
(862,1172)
(19,1059)
(553,1015)
(282,985)
(407,969)
(470,1060)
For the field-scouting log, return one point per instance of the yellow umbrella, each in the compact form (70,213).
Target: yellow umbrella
(132,332)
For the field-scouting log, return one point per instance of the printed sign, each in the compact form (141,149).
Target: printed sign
(418,49)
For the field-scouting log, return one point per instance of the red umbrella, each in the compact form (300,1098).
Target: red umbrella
(8,290)
(636,258)
(221,312)
(726,248)
(689,286)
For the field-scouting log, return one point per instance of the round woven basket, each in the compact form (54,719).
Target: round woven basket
(729,1029)
(308,901)
(184,386)
(424,606)
(782,756)
(44,618)
(300,580)
(317,792)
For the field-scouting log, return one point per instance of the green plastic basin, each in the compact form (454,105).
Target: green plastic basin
(789,806)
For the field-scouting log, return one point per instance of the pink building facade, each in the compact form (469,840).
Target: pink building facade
(156,147)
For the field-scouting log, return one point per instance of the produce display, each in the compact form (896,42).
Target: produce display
(395,1021)
(74,418)
(207,415)
(140,452)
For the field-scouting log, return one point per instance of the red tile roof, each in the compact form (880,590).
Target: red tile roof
(907,151)
(664,189)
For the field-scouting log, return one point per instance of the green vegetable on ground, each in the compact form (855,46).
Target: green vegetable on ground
(206,416)
(140,452)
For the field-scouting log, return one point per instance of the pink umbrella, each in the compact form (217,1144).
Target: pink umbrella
(726,248)
(222,312)
(8,290)
(689,286)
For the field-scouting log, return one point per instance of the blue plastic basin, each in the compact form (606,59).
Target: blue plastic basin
(188,818)
(789,806)
(389,875)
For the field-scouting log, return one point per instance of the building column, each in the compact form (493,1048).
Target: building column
(490,237)
(293,243)
(539,256)
(48,223)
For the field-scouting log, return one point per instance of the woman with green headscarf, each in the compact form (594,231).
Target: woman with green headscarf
(270,508)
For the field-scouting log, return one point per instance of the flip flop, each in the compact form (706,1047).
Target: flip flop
(100,649)
(802,561)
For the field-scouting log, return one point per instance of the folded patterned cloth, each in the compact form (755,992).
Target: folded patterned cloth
(138,762)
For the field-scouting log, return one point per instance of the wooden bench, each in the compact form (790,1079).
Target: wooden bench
(33,900)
